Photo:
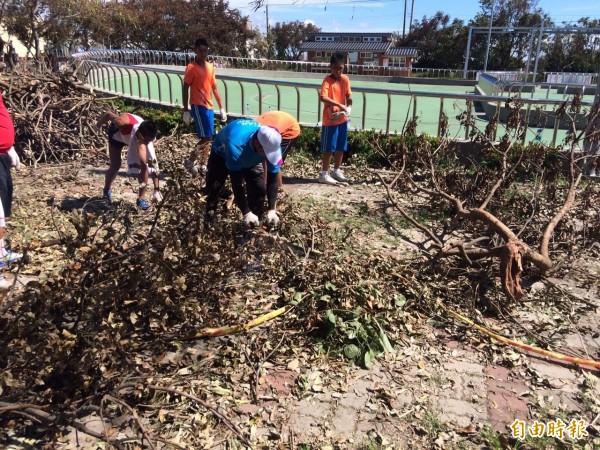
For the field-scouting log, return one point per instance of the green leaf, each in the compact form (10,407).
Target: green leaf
(399,300)
(351,351)
(297,298)
(385,342)
(331,316)
(330,286)
(368,360)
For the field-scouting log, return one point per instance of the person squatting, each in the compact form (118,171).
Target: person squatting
(239,151)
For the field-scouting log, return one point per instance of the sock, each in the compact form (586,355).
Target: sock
(324,172)
(3,251)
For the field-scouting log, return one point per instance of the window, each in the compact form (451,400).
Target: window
(366,55)
(372,39)
(396,61)
(323,56)
(350,38)
(324,38)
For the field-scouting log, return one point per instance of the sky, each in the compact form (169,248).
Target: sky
(387,15)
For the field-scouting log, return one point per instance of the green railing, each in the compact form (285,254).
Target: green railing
(386,108)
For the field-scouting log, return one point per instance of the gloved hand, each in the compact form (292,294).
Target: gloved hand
(157,196)
(272,218)
(251,220)
(223,115)
(348,110)
(187,118)
(15,162)
(336,115)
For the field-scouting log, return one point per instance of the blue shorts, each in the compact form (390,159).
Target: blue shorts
(204,121)
(334,138)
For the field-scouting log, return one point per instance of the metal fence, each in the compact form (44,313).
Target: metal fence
(157,57)
(374,108)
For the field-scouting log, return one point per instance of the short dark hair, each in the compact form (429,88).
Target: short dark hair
(201,41)
(338,58)
(148,129)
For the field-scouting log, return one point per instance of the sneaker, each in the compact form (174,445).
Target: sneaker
(107,194)
(326,179)
(338,175)
(143,204)
(10,258)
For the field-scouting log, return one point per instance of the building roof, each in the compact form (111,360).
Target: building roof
(338,33)
(345,46)
(410,52)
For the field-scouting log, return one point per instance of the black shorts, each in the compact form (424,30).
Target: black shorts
(112,130)
(6,184)
(286,146)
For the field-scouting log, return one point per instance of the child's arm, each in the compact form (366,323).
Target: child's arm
(217,95)
(185,93)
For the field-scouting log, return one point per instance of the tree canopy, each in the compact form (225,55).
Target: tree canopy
(442,43)
(174,25)
(155,24)
(288,37)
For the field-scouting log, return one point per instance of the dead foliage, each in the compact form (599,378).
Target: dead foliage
(111,330)
(53,115)
(502,200)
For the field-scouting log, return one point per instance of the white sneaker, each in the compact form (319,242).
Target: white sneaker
(10,258)
(338,175)
(326,179)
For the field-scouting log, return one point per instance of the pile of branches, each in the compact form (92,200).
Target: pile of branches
(526,206)
(131,292)
(53,115)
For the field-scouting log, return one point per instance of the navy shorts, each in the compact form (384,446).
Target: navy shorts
(334,138)
(204,121)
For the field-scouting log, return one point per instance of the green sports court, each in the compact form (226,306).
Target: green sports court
(380,105)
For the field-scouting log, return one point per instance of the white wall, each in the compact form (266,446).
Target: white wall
(18,45)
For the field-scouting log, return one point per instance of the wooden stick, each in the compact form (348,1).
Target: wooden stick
(513,343)
(233,329)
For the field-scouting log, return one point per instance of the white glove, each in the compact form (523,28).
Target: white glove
(348,110)
(223,115)
(15,162)
(272,218)
(187,117)
(250,220)
(157,197)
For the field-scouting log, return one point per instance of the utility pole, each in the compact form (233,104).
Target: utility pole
(404,21)
(268,42)
(412,9)
(489,39)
